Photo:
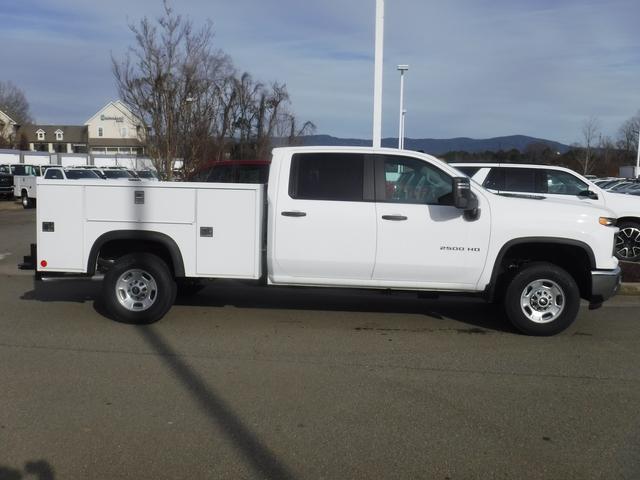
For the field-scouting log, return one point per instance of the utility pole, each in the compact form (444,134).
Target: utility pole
(638,157)
(377,84)
(401,69)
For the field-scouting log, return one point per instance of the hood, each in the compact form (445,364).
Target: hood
(623,205)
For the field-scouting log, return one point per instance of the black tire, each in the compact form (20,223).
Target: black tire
(159,291)
(628,242)
(26,201)
(548,292)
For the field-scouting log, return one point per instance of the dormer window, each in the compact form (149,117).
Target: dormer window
(40,134)
(59,135)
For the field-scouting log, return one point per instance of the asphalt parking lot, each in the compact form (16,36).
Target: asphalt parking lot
(245,382)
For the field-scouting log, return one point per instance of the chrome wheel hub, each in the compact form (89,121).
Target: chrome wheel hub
(542,301)
(628,243)
(136,290)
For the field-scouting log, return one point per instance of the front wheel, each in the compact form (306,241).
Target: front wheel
(139,289)
(628,242)
(26,201)
(542,299)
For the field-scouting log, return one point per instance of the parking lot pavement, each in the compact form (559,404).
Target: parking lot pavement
(245,382)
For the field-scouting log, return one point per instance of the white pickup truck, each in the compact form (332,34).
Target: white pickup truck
(334,217)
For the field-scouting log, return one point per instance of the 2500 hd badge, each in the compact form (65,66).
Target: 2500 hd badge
(460,249)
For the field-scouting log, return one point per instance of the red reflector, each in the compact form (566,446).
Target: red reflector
(43,263)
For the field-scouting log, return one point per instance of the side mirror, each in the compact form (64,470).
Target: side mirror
(588,194)
(463,197)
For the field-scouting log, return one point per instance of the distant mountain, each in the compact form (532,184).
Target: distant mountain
(440,146)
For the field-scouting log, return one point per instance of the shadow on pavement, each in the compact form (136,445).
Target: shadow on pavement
(474,312)
(39,470)
(257,455)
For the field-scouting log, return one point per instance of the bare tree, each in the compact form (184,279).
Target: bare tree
(14,103)
(190,99)
(628,135)
(590,135)
(167,78)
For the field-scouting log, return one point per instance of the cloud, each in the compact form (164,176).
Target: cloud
(478,68)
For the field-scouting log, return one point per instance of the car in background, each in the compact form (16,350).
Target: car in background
(63,173)
(147,175)
(543,181)
(233,171)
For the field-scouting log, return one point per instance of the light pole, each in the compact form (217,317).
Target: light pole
(401,69)
(377,82)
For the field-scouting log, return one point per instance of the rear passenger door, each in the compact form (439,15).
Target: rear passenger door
(325,224)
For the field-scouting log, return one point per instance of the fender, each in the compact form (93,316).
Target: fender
(157,237)
(519,241)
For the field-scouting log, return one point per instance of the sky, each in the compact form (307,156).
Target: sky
(478,68)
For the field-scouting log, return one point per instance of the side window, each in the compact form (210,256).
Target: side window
(495,179)
(53,174)
(220,174)
(563,183)
(408,180)
(327,176)
(520,180)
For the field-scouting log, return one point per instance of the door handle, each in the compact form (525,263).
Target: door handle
(395,218)
(294,214)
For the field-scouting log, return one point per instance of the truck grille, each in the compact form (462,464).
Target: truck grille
(4,181)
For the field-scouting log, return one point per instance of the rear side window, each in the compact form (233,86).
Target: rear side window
(327,176)
(521,180)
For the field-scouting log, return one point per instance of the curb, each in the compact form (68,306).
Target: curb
(629,288)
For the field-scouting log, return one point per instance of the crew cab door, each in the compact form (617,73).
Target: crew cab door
(323,227)
(423,240)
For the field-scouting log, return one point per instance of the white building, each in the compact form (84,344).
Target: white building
(115,129)
(8,128)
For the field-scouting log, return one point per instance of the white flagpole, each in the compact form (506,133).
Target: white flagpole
(377,86)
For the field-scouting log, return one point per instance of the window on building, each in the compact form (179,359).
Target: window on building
(124,132)
(40,134)
(100,132)
(327,176)
(59,135)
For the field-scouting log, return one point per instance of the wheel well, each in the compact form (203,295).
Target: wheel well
(113,245)
(575,259)
(628,219)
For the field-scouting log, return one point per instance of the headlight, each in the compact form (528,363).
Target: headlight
(607,222)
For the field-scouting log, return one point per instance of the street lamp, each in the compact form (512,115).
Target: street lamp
(401,69)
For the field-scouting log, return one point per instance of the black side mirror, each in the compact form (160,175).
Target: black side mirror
(463,197)
(588,194)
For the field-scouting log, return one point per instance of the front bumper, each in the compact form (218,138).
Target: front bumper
(604,284)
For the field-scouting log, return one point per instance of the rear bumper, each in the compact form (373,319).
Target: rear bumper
(604,284)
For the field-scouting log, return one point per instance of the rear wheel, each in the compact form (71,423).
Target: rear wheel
(542,299)
(628,242)
(139,289)
(26,201)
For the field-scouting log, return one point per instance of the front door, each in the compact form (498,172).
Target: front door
(423,240)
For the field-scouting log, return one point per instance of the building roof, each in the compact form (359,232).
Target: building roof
(115,142)
(6,116)
(122,107)
(70,133)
